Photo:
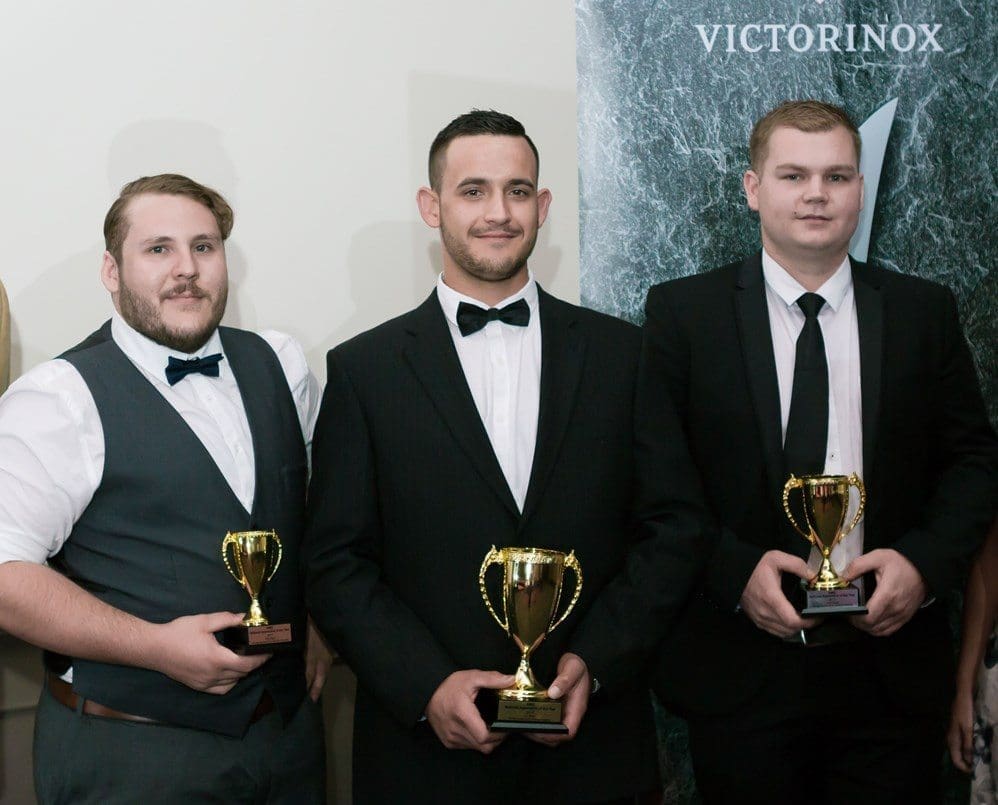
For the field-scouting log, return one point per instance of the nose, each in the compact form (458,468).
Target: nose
(186,266)
(498,209)
(815,189)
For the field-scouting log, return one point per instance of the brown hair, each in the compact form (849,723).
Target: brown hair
(170,184)
(809,116)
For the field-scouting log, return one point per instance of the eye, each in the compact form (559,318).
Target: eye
(791,177)
(201,248)
(838,177)
(472,192)
(520,191)
(157,249)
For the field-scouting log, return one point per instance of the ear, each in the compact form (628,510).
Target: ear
(751,184)
(862,191)
(543,203)
(428,202)
(109,273)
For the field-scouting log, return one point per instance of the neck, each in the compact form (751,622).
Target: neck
(487,292)
(810,270)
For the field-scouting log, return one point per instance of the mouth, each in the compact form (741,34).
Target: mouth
(499,234)
(813,218)
(184,294)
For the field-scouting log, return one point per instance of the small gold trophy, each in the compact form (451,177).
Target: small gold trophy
(252,558)
(531,590)
(825,504)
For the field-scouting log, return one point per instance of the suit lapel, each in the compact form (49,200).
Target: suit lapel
(870,321)
(757,352)
(562,354)
(430,353)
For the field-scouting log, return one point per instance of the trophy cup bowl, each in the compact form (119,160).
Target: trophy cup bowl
(825,502)
(252,558)
(532,583)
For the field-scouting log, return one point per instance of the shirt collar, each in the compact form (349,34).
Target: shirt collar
(833,291)
(150,356)
(450,299)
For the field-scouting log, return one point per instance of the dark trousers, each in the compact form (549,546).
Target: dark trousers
(821,732)
(81,759)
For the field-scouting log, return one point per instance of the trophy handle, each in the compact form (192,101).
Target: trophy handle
(794,483)
(230,539)
(493,557)
(280,553)
(571,563)
(854,480)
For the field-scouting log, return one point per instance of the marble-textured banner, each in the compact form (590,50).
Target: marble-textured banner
(668,92)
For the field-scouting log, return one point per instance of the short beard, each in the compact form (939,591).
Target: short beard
(145,318)
(485,270)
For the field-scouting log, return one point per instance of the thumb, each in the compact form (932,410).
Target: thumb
(493,679)
(570,670)
(860,566)
(788,563)
(216,621)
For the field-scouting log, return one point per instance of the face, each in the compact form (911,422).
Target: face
(808,194)
(172,282)
(488,209)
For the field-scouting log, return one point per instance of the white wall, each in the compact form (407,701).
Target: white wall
(312,117)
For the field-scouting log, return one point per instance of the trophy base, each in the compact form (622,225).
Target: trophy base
(527,715)
(257,639)
(844,601)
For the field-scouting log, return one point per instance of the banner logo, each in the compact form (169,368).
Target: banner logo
(823,38)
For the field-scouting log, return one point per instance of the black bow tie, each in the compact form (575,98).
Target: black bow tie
(471,318)
(177,369)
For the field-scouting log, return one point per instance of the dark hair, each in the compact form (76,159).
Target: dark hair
(477,121)
(167,184)
(808,116)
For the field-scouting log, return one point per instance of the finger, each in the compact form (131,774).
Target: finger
(216,621)
(490,679)
(245,664)
(788,563)
(569,675)
(317,682)
(861,565)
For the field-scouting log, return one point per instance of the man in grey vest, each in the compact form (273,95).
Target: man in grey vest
(123,464)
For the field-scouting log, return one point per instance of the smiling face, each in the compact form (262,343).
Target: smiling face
(488,210)
(808,193)
(172,282)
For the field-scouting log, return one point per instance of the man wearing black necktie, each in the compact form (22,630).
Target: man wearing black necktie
(123,464)
(802,360)
(492,414)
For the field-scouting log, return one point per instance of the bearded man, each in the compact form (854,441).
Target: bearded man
(123,463)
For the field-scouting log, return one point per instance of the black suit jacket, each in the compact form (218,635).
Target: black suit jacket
(929,462)
(407,497)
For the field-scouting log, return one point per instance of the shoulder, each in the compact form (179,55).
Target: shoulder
(289,353)
(696,293)
(917,289)
(389,335)
(589,321)
(55,386)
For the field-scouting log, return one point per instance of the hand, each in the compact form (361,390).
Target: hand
(188,652)
(452,713)
(574,684)
(763,599)
(960,736)
(900,591)
(318,659)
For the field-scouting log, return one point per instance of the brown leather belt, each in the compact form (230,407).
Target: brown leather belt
(63,693)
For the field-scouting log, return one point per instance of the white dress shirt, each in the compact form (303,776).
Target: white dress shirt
(840,331)
(502,364)
(52,441)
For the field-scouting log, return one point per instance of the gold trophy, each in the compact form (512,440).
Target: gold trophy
(252,558)
(531,590)
(825,504)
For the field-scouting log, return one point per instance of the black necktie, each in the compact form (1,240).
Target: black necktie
(471,318)
(807,427)
(177,369)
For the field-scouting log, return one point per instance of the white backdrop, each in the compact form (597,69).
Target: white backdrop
(313,118)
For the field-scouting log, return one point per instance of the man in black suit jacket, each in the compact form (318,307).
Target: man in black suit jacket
(438,439)
(784,708)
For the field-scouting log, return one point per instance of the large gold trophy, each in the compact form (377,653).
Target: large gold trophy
(825,504)
(531,590)
(252,558)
